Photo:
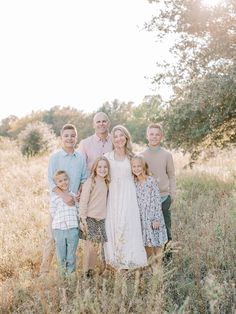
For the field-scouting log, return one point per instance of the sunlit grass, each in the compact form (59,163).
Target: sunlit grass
(211,3)
(200,278)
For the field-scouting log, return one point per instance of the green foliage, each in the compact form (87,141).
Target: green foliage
(5,125)
(16,125)
(57,117)
(208,111)
(135,118)
(36,138)
(149,111)
(118,112)
(202,112)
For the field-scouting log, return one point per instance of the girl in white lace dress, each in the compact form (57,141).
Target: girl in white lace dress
(124,248)
(149,201)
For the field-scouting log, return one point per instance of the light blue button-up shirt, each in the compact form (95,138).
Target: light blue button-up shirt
(74,164)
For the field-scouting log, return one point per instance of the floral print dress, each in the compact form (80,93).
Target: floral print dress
(149,202)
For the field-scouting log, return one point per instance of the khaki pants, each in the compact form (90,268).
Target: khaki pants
(48,251)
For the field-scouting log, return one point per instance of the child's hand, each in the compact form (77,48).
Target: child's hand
(68,199)
(77,197)
(83,225)
(156,224)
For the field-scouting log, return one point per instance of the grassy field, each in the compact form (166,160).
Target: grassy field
(200,278)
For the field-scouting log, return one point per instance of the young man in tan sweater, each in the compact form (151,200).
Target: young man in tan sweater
(161,165)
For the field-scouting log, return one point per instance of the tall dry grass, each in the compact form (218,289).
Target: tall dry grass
(200,278)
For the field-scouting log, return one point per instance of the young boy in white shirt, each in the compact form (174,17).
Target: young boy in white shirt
(64,224)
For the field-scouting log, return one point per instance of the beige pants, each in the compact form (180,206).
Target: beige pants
(48,251)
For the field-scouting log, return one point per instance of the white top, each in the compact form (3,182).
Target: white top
(63,216)
(124,248)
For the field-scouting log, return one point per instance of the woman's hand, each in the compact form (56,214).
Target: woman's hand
(156,224)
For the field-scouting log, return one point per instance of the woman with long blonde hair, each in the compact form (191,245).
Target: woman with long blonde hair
(124,248)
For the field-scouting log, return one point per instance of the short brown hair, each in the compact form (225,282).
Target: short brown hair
(155,126)
(68,126)
(58,173)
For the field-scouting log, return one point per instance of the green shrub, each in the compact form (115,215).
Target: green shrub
(36,138)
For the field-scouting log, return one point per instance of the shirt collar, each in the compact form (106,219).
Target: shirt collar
(154,149)
(65,153)
(98,139)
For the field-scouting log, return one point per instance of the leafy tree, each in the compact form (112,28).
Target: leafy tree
(18,125)
(58,116)
(118,112)
(5,125)
(202,111)
(150,110)
(36,138)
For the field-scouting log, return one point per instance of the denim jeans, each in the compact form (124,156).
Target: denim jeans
(66,244)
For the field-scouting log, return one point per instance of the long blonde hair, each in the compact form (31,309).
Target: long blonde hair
(93,174)
(128,144)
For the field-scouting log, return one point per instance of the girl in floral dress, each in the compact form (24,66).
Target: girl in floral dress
(149,201)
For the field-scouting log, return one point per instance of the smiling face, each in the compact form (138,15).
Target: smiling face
(101,124)
(154,136)
(102,169)
(137,167)
(119,139)
(62,181)
(68,139)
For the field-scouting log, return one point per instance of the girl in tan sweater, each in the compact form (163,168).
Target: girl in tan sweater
(93,212)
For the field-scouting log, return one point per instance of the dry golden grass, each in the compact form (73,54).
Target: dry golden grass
(200,278)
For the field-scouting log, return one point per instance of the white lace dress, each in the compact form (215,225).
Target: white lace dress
(124,248)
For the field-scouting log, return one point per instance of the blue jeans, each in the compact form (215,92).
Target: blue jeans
(66,245)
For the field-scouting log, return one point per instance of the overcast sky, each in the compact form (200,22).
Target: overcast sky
(74,53)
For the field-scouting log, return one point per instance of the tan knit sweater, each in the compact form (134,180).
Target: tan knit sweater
(93,203)
(161,165)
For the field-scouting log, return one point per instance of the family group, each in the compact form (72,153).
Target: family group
(116,201)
